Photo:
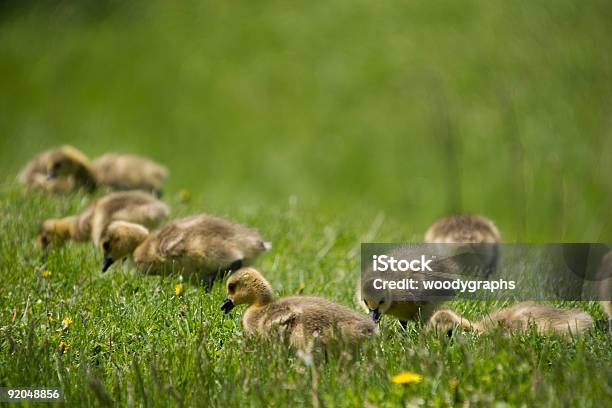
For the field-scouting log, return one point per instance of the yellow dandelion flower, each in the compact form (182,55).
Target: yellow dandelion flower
(63,346)
(184,196)
(407,377)
(66,322)
(46,274)
(50,318)
(178,289)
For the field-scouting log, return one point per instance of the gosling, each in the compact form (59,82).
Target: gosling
(463,228)
(58,170)
(300,319)
(201,246)
(91,223)
(546,319)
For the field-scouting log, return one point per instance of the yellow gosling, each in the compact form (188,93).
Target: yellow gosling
(134,206)
(300,319)
(546,319)
(201,246)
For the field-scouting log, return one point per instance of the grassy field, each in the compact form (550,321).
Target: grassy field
(324,125)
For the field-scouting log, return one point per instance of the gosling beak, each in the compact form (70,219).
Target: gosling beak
(51,175)
(108,261)
(45,254)
(227,305)
(375,315)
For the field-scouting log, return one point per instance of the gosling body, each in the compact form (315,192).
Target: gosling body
(130,172)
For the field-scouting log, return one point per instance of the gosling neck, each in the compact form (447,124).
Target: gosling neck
(482,325)
(467,324)
(263,292)
(78,231)
(138,245)
(264,299)
(67,228)
(86,177)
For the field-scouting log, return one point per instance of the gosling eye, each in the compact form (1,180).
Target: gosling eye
(231,287)
(381,302)
(106,245)
(56,165)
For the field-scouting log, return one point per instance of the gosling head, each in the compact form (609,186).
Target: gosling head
(120,240)
(376,308)
(376,302)
(53,233)
(445,321)
(65,161)
(247,286)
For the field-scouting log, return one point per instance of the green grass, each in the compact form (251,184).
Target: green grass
(134,341)
(324,125)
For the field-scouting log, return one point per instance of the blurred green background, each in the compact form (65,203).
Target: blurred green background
(408,108)
(322,124)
